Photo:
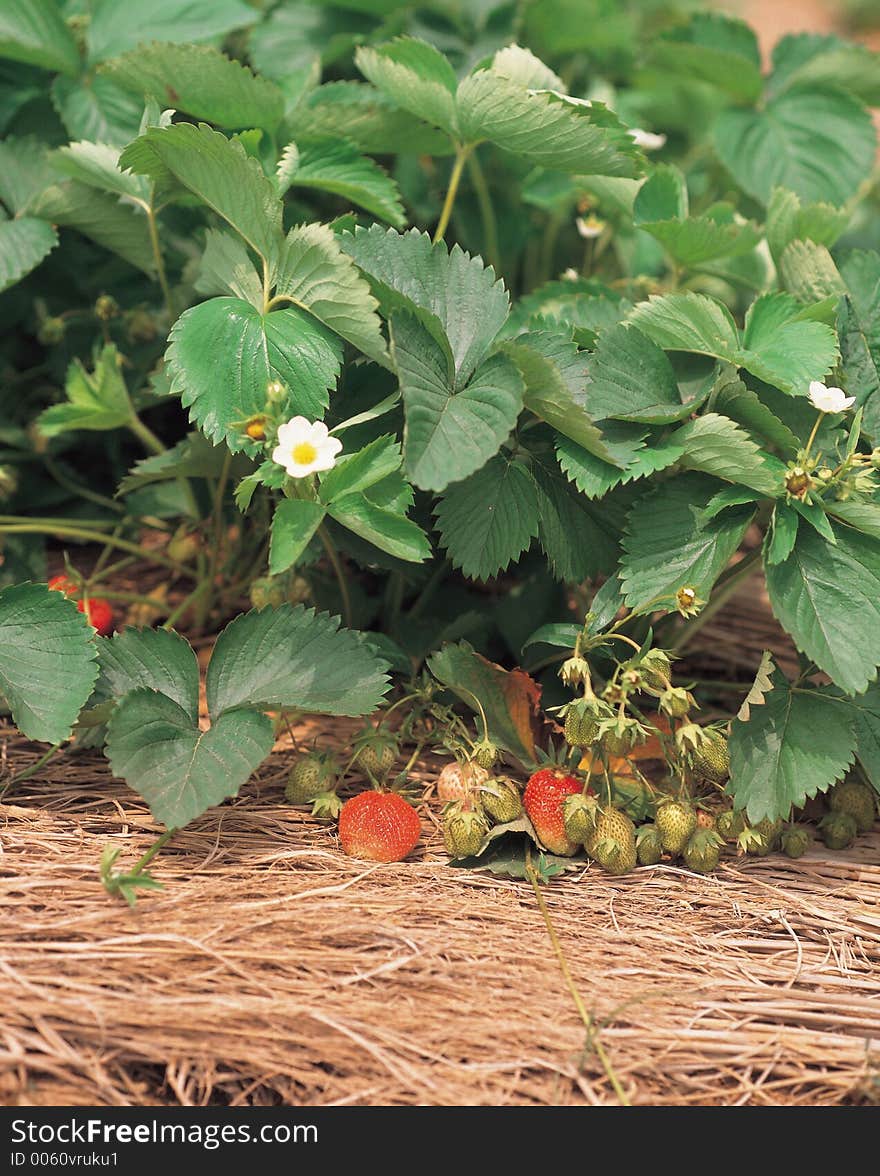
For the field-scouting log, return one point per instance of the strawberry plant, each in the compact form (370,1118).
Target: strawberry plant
(539,326)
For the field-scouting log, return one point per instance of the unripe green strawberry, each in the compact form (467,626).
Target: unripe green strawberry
(648,845)
(768,833)
(579,815)
(582,717)
(730,824)
(854,798)
(796,841)
(711,760)
(619,736)
(703,851)
(312,773)
(51,331)
(8,482)
(376,752)
(614,845)
(655,668)
(463,831)
(676,822)
(268,591)
(485,754)
(839,830)
(676,702)
(501,800)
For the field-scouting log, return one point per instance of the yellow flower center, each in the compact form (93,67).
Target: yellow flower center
(304,453)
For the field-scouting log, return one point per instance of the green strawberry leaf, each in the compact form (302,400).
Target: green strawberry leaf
(23,245)
(407,271)
(180,770)
(817,592)
(386,528)
(715,445)
(97,401)
(47,660)
(631,379)
(334,165)
(779,145)
(415,75)
(666,548)
(223,353)
(294,524)
(96,109)
(788,219)
(865,711)
(556,376)
(293,658)
(489,519)
(154,659)
(795,744)
(102,218)
(449,434)
(315,274)
(219,172)
(200,81)
(712,48)
(34,31)
(115,28)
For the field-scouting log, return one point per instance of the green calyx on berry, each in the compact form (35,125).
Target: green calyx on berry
(312,774)
(582,719)
(580,811)
(676,702)
(613,843)
(575,672)
(618,736)
(501,800)
(702,852)
(463,831)
(485,753)
(648,845)
(375,752)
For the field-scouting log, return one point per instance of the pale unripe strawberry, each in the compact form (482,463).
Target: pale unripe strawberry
(676,822)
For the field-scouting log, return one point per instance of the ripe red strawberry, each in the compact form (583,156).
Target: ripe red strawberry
(98,611)
(379,827)
(543,801)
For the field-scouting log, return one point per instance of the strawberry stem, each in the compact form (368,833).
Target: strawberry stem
(593,1040)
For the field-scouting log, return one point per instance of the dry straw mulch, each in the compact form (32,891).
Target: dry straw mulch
(273,969)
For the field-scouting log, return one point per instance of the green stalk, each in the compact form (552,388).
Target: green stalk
(157,257)
(146,436)
(588,1022)
(86,536)
(487,212)
(461,159)
(157,845)
(26,773)
(339,571)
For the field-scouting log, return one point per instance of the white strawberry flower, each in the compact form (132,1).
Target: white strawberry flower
(305,447)
(647,140)
(829,399)
(589,226)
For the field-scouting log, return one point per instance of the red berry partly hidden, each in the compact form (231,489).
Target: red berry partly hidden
(97,610)
(379,827)
(543,801)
